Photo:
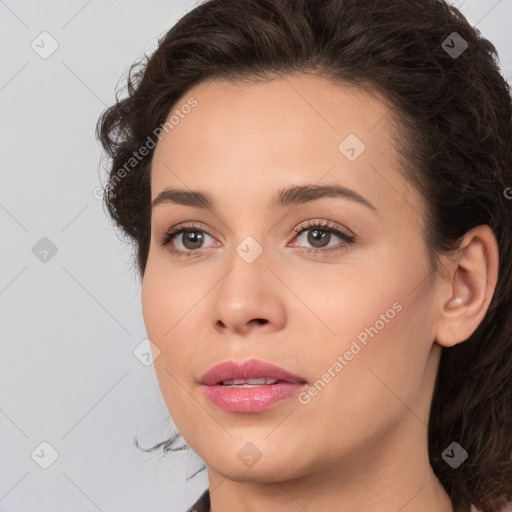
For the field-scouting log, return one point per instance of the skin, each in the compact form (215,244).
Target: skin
(361,443)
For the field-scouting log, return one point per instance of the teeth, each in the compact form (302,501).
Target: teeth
(253,382)
(262,380)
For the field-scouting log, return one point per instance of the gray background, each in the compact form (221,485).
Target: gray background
(70,323)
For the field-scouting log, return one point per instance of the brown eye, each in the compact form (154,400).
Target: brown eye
(192,239)
(320,234)
(185,240)
(319,237)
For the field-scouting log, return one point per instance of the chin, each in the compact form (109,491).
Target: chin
(243,461)
(261,472)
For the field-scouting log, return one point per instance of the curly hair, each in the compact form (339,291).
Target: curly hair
(453,110)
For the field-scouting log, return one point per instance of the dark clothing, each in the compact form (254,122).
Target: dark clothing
(202,504)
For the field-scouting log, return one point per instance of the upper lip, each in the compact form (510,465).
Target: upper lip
(251,369)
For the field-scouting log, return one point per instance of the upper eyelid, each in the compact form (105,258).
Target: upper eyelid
(324,224)
(179,228)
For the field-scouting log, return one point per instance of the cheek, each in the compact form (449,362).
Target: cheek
(378,357)
(382,381)
(168,302)
(165,315)
(360,297)
(174,303)
(378,319)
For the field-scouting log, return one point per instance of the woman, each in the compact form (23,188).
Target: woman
(319,194)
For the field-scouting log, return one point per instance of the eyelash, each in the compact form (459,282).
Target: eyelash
(325,226)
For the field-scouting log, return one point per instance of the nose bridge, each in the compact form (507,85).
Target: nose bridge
(249,293)
(248,274)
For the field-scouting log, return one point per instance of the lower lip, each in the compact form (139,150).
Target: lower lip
(255,399)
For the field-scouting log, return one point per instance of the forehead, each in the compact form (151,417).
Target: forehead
(289,108)
(248,137)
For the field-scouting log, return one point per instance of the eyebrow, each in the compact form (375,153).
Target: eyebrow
(298,194)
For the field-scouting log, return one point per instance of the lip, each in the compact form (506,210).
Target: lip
(251,369)
(253,399)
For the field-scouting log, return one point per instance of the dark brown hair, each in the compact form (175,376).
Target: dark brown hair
(455,137)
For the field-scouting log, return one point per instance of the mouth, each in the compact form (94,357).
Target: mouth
(251,373)
(249,383)
(249,387)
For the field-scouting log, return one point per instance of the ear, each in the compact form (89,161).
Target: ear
(467,293)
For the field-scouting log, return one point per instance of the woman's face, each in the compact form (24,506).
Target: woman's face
(355,320)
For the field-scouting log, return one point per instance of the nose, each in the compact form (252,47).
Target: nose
(249,298)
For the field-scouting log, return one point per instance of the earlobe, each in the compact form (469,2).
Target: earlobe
(474,274)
